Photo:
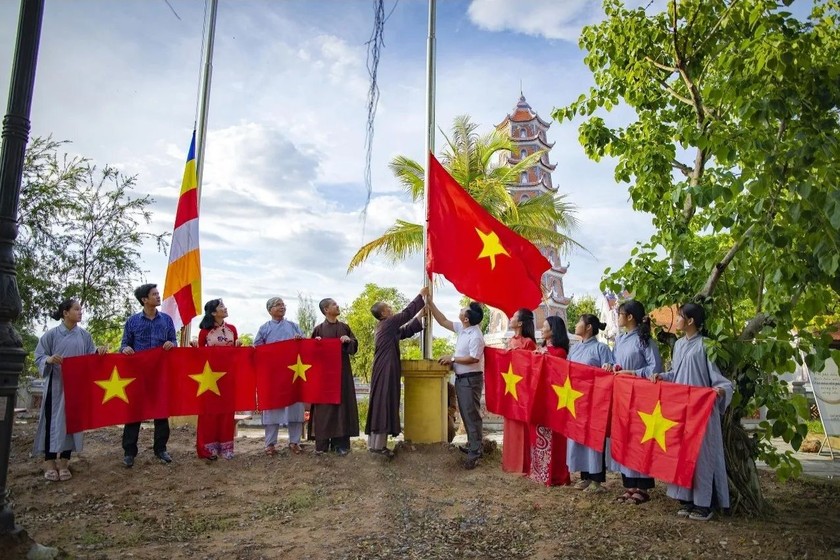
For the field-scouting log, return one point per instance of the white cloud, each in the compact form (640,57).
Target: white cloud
(551,19)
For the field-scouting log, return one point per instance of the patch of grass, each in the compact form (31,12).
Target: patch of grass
(92,538)
(284,508)
(815,427)
(364,405)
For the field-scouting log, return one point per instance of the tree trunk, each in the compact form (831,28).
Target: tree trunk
(739,449)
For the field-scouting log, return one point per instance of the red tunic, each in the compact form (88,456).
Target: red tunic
(214,432)
(548,449)
(516,442)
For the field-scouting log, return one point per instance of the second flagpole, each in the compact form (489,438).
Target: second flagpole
(426,345)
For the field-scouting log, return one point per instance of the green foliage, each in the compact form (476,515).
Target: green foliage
(579,306)
(732,149)
(410,348)
(80,232)
(247,339)
(362,322)
(472,160)
(307,314)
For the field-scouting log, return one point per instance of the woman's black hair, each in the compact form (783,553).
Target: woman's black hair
(64,306)
(208,321)
(696,312)
(526,317)
(559,333)
(637,311)
(594,322)
(474,313)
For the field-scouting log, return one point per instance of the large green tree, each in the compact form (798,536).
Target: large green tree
(473,161)
(79,235)
(362,322)
(732,146)
(579,306)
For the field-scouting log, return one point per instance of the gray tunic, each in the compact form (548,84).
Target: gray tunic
(636,359)
(579,457)
(277,331)
(691,366)
(66,343)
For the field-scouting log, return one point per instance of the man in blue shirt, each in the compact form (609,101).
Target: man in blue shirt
(148,329)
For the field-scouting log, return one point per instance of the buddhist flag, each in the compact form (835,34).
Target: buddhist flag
(182,290)
(574,399)
(658,428)
(510,379)
(481,257)
(292,371)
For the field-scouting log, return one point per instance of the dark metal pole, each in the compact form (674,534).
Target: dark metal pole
(15,135)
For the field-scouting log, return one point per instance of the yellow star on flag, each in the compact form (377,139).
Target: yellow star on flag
(566,396)
(492,246)
(115,386)
(300,369)
(208,380)
(511,379)
(656,425)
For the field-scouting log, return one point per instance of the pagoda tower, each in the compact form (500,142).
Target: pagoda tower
(527,131)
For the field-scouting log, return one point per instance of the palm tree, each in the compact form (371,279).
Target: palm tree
(473,161)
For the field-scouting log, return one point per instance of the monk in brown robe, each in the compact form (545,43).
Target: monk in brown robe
(335,424)
(384,410)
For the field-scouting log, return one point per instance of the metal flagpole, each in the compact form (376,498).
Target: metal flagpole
(430,148)
(203,112)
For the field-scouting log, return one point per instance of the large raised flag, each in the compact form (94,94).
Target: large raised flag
(182,289)
(483,258)
(658,428)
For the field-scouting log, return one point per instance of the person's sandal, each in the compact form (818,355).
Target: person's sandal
(295,448)
(50,471)
(624,497)
(637,498)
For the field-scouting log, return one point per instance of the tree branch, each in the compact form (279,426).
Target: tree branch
(674,93)
(686,170)
(754,326)
(720,267)
(669,69)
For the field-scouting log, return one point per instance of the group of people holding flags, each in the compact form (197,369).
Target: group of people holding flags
(537,451)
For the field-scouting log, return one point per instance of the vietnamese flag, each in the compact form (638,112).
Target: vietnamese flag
(574,399)
(305,370)
(658,428)
(484,259)
(113,389)
(210,380)
(510,380)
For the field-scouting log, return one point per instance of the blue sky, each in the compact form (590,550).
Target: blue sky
(283,184)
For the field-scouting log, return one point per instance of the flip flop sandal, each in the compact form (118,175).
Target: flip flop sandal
(638,498)
(624,497)
(51,475)
(295,448)
(64,474)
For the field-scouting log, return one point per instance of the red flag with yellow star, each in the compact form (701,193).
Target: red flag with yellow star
(113,389)
(210,380)
(484,259)
(510,382)
(574,399)
(658,428)
(305,370)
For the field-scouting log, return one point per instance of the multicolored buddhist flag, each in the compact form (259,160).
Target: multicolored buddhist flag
(658,428)
(483,258)
(182,289)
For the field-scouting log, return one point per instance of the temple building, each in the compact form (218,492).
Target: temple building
(528,133)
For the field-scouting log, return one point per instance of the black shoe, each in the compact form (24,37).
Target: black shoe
(128,461)
(164,457)
(471,463)
(343,452)
(385,452)
(463,449)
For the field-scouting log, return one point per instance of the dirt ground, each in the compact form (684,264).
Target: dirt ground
(421,505)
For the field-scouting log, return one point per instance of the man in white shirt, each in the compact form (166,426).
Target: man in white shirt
(468,363)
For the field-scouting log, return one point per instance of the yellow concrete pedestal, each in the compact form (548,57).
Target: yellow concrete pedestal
(426,404)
